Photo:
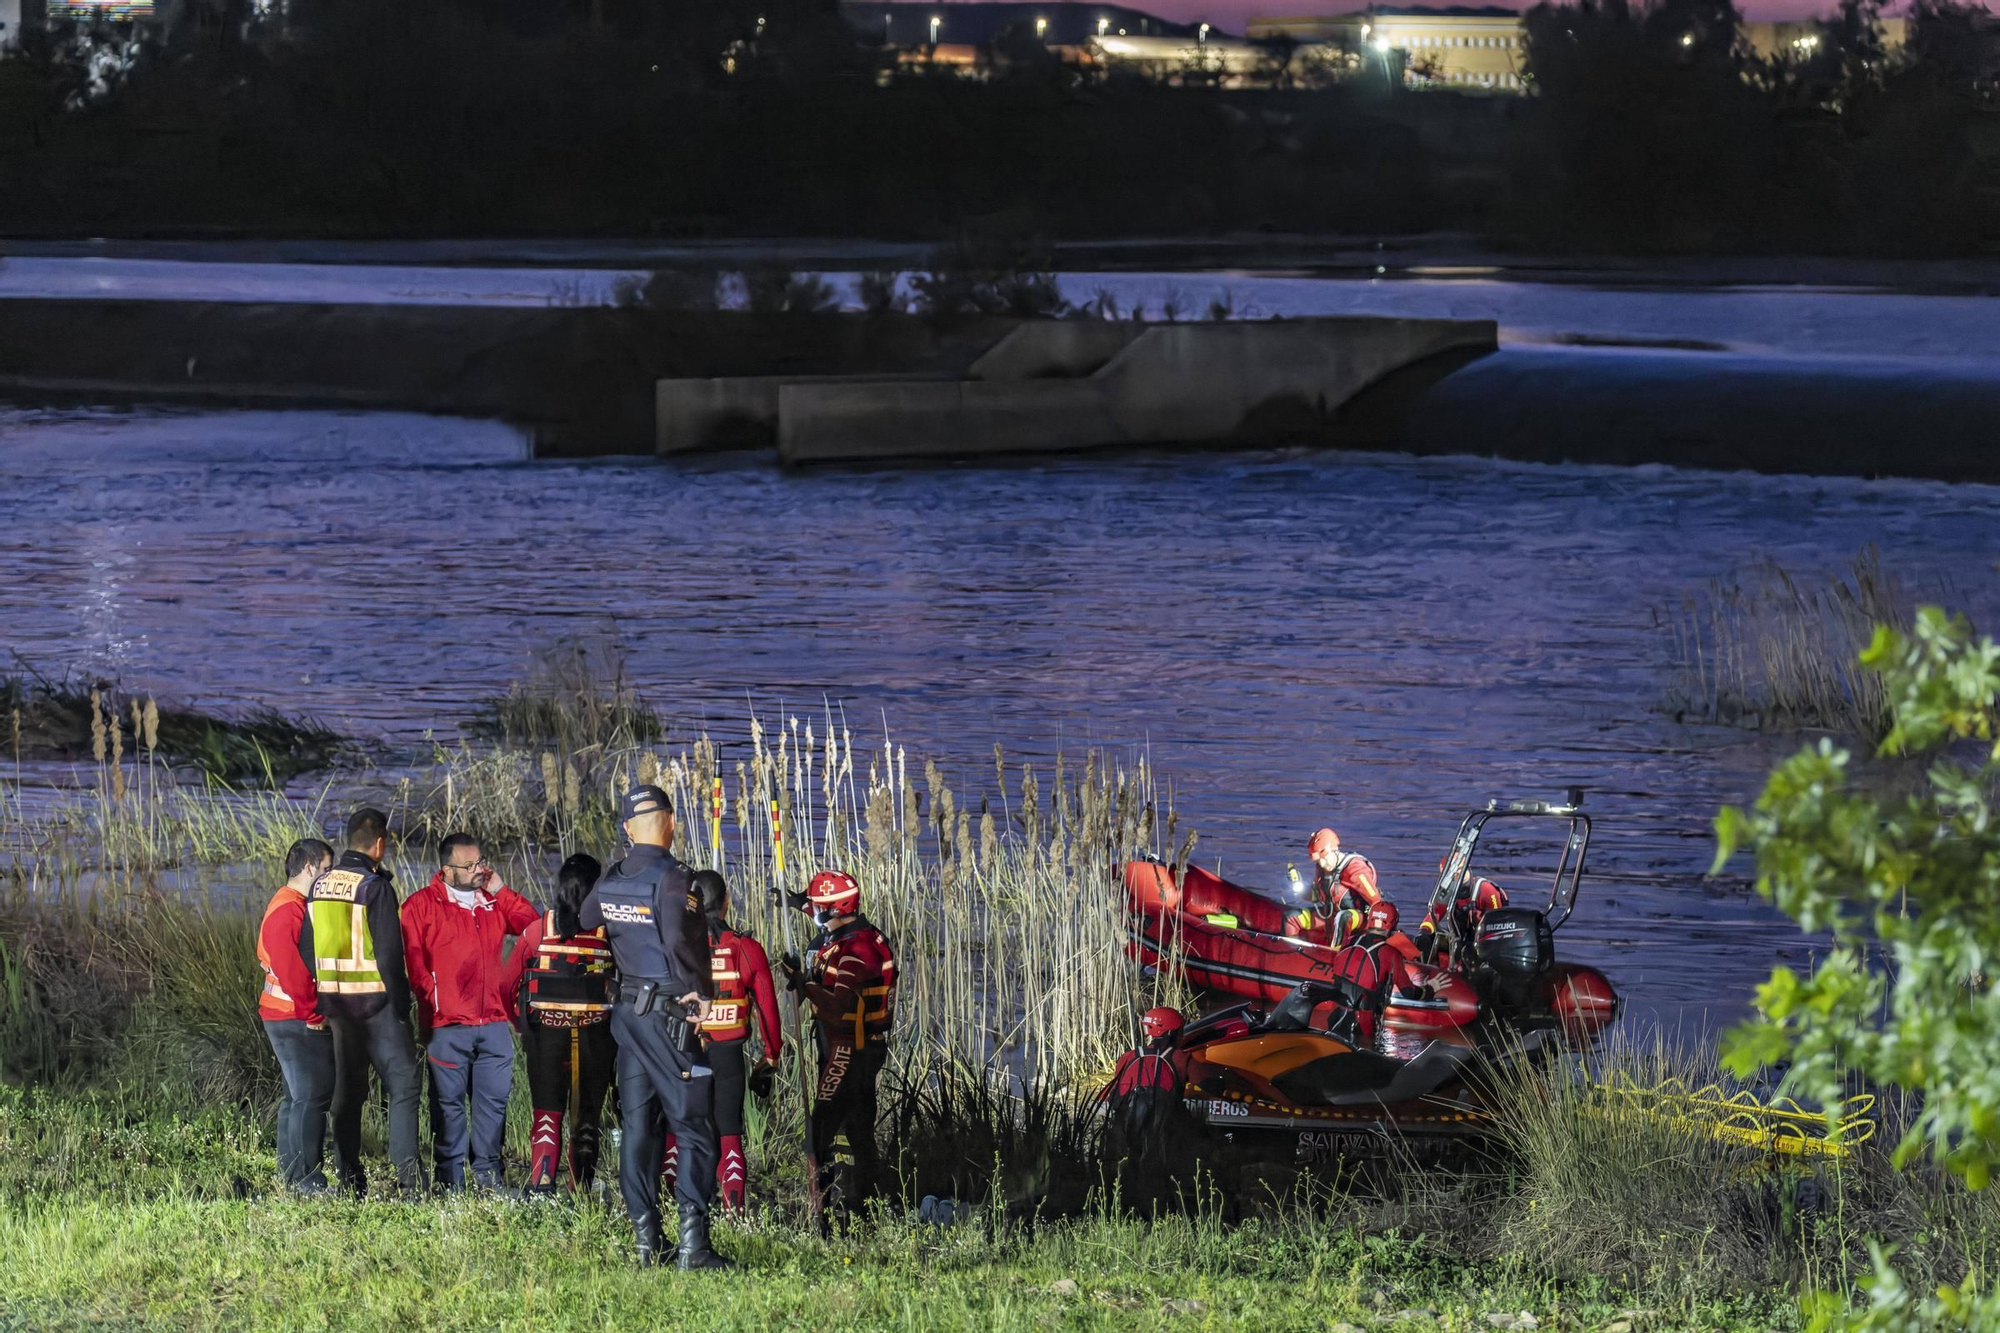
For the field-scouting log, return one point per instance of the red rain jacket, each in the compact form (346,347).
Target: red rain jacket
(457,957)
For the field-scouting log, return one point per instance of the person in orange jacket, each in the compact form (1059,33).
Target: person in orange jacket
(1344,887)
(742,974)
(289,1008)
(1475,897)
(455,930)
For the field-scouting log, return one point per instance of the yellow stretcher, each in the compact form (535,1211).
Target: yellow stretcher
(1781,1126)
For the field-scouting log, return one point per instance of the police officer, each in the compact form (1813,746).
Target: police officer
(354,937)
(647,907)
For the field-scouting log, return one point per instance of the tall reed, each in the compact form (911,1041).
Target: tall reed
(1779,652)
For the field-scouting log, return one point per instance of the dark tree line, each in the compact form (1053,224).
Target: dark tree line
(1649,127)
(1656,127)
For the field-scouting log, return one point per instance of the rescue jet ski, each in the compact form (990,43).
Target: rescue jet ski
(1245,1068)
(1485,976)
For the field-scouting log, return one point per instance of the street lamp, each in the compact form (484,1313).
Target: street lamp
(936,23)
(1687,39)
(1201,35)
(1041,26)
(1103,25)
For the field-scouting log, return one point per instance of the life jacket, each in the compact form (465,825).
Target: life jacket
(1343,906)
(343,945)
(855,958)
(568,981)
(1360,982)
(1143,1071)
(735,957)
(1472,902)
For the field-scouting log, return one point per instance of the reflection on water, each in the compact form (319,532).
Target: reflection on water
(1372,642)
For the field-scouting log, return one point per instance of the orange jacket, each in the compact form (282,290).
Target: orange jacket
(289,992)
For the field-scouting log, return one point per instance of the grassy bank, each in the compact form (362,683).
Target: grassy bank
(136,1172)
(139,1224)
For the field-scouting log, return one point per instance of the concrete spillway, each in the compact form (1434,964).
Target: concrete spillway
(1056,386)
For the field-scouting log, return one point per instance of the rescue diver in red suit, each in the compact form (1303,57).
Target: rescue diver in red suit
(1367,972)
(742,976)
(849,979)
(1344,887)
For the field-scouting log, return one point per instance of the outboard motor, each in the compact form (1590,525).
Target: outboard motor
(1516,950)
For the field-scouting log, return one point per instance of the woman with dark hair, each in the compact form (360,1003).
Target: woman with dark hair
(564,1008)
(742,976)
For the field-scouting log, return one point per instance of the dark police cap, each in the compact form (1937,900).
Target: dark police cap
(644,800)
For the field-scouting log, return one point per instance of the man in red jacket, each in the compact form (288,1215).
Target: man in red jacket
(455,930)
(289,1007)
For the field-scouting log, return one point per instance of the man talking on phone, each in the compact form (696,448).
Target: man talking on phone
(455,933)
(652,917)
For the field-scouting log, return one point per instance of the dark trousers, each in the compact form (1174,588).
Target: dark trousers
(470,1062)
(840,1137)
(305,1059)
(726,1059)
(553,1079)
(661,1090)
(381,1041)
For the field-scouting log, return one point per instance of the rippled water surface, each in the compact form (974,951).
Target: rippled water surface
(1378,643)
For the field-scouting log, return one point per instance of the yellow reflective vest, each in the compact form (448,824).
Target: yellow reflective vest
(343,946)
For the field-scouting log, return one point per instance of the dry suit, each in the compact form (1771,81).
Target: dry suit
(563,1008)
(850,982)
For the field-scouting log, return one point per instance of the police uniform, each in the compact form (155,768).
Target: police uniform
(647,908)
(354,938)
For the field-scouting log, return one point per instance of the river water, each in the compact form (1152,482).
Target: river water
(1373,642)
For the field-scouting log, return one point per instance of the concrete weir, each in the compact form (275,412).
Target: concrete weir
(1051,386)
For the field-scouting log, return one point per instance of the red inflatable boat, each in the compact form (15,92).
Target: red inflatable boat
(1230,942)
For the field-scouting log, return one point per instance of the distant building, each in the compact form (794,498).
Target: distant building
(1459,46)
(965,34)
(10,24)
(1481,47)
(1796,39)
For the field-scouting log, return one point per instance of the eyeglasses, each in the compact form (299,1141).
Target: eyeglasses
(481,864)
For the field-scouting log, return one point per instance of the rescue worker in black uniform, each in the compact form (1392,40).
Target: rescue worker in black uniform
(648,909)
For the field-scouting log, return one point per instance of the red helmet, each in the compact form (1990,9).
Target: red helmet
(834,890)
(1160,1022)
(1326,840)
(1382,917)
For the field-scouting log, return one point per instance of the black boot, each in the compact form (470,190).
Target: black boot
(651,1249)
(695,1251)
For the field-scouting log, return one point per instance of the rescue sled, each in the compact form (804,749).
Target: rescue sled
(1498,975)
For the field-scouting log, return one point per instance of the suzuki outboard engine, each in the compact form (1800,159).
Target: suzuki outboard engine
(1516,949)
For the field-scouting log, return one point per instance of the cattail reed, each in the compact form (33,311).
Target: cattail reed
(150,723)
(551,783)
(97,751)
(117,756)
